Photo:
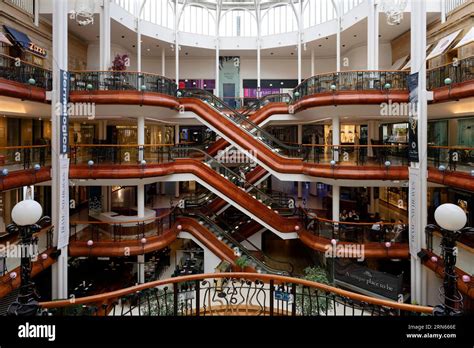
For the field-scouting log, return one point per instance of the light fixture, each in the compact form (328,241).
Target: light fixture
(27,212)
(448,81)
(90,163)
(450,216)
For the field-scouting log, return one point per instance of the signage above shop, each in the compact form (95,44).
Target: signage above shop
(34,48)
(22,40)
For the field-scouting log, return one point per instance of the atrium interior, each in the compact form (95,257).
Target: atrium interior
(236,157)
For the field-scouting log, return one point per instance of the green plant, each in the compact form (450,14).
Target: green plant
(158,302)
(312,301)
(242,262)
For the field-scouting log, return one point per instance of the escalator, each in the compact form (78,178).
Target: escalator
(267,150)
(229,240)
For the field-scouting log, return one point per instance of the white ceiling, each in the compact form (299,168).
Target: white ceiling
(354,36)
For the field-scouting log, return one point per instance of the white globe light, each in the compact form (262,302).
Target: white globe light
(90,243)
(333,241)
(450,217)
(388,244)
(143,240)
(27,212)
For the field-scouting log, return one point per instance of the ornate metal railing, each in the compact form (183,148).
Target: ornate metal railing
(14,69)
(365,80)
(455,72)
(121,81)
(231,294)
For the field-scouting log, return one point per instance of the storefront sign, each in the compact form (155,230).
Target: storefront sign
(63,112)
(381,283)
(63,227)
(413,118)
(34,48)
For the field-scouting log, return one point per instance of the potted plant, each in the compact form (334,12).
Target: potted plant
(242,262)
(315,307)
(119,63)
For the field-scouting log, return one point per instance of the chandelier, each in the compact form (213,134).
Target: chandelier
(393,10)
(83,12)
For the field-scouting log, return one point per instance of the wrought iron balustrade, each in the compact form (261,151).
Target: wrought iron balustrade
(231,294)
(14,69)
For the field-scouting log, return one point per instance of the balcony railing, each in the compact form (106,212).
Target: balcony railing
(121,81)
(17,70)
(457,72)
(365,80)
(26,5)
(232,294)
(356,232)
(24,157)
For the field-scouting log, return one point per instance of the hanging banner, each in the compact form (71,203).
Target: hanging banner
(413,155)
(414,218)
(63,227)
(229,80)
(63,112)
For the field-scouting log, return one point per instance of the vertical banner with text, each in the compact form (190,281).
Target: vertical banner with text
(414,219)
(413,155)
(63,112)
(63,227)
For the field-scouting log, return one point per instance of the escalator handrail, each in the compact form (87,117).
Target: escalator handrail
(226,169)
(227,236)
(229,228)
(196,93)
(258,103)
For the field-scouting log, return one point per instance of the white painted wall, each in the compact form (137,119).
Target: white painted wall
(271,68)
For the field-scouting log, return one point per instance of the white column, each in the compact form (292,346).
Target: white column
(336,197)
(417,200)
(338,38)
(300,37)
(141,136)
(104,38)
(37,13)
(59,173)
(141,200)
(259,62)
(443,11)
(139,50)
(300,141)
(217,88)
(372,37)
(163,62)
(312,62)
(176,43)
(141,269)
(336,136)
